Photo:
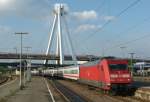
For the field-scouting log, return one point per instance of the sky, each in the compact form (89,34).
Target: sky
(96,27)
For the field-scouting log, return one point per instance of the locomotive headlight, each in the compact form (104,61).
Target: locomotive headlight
(125,75)
(113,75)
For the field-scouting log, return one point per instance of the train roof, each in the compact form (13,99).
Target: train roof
(91,63)
(97,61)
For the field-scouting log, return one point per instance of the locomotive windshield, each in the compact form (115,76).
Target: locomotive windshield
(118,67)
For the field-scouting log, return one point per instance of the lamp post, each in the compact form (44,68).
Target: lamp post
(21,33)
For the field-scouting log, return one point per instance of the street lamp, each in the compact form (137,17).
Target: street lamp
(21,33)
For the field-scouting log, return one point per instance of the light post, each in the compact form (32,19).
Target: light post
(21,33)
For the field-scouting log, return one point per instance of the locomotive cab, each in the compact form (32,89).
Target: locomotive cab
(106,74)
(119,73)
(120,76)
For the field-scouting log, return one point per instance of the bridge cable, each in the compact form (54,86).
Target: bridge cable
(69,39)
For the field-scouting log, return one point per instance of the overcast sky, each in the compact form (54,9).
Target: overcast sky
(109,27)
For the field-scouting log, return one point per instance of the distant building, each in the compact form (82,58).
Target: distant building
(142,68)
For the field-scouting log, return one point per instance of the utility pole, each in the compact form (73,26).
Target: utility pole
(132,55)
(21,33)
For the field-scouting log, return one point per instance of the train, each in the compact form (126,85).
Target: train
(110,75)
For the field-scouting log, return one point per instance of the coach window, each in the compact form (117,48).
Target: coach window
(74,71)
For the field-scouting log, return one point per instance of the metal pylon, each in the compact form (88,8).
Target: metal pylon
(59,12)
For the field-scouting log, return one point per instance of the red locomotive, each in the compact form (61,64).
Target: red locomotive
(107,74)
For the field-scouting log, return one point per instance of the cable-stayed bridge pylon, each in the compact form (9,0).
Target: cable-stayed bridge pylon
(59,13)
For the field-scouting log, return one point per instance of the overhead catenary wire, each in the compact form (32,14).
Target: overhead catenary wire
(76,34)
(129,42)
(109,21)
(131,28)
(101,5)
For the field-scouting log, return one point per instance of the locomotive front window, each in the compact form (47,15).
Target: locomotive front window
(118,67)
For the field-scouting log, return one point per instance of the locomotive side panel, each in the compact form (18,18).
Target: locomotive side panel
(89,73)
(89,76)
(96,75)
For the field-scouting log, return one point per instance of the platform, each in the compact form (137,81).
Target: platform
(35,91)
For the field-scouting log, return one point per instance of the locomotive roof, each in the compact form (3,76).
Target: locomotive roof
(91,63)
(97,61)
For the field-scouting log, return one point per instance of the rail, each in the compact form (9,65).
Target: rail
(52,97)
(117,98)
(69,95)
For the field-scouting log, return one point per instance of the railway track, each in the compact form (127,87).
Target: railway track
(3,80)
(67,94)
(126,99)
(106,97)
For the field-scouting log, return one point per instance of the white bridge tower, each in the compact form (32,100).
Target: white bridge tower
(59,13)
